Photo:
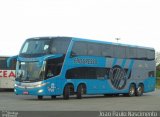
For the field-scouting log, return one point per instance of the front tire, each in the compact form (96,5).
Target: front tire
(53,97)
(40,97)
(66,92)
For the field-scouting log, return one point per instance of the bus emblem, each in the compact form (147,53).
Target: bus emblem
(118,77)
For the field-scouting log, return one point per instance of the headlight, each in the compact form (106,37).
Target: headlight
(40,91)
(40,85)
(15,85)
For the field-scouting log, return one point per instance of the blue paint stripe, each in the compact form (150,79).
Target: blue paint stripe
(106,62)
(123,63)
(130,67)
(114,62)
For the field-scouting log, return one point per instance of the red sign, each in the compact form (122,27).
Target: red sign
(7,73)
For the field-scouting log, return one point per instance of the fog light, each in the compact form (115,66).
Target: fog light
(15,90)
(40,91)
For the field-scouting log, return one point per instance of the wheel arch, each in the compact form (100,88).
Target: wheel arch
(141,83)
(131,84)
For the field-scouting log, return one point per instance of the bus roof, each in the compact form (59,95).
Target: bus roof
(111,43)
(91,40)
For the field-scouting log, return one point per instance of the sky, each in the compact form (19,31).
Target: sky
(135,22)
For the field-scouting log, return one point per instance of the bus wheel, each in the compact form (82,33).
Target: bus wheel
(40,97)
(66,92)
(140,90)
(132,90)
(80,91)
(53,97)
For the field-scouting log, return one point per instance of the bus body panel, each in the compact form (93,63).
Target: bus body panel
(108,75)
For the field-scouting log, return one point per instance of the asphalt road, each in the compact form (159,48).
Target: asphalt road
(148,102)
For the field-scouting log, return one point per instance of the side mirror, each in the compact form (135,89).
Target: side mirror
(10,59)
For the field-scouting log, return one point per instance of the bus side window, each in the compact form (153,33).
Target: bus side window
(94,49)
(131,53)
(107,50)
(54,66)
(119,51)
(86,73)
(141,54)
(79,49)
(50,72)
(150,54)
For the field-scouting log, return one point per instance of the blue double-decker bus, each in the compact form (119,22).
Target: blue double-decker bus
(54,66)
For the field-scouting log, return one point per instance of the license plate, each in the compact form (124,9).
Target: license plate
(25,93)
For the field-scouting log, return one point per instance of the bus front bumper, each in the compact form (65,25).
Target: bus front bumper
(41,90)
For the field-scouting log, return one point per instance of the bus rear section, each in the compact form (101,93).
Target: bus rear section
(7,74)
(111,69)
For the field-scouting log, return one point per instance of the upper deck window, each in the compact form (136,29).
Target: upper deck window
(79,48)
(86,49)
(141,53)
(119,51)
(131,53)
(107,50)
(94,49)
(59,46)
(150,54)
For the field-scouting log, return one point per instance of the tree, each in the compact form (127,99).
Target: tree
(157,58)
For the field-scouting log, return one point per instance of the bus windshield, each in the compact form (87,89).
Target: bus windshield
(29,71)
(43,46)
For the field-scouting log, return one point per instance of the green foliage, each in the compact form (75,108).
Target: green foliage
(158,73)
(158,83)
(158,79)
(158,67)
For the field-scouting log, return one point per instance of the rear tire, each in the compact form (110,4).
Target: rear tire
(80,91)
(66,92)
(140,90)
(40,97)
(132,90)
